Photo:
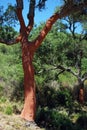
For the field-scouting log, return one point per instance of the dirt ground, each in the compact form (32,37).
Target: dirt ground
(12,122)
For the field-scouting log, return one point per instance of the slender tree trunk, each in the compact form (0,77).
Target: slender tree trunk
(28,111)
(81,93)
(28,49)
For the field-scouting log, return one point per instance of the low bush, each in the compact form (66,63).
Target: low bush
(48,96)
(9,110)
(81,123)
(52,119)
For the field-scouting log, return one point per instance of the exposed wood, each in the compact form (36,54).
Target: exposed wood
(45,30)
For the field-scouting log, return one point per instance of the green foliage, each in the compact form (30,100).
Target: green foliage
(64,97)
(7,33)
(53,119)
(81,122)
(53,98)
(9,110)
(67,79)
(47,96)
(10,16)
(11,73)
(1,90)
(10,61)
(84,65)
(3,99)
(41,4)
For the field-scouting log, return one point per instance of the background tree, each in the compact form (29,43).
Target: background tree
(76,49)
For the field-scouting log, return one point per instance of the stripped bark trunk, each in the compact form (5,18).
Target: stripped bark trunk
(81,93)
(28,111)
(28,50)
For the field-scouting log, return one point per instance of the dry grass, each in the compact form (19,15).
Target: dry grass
(12,122)
(8,119)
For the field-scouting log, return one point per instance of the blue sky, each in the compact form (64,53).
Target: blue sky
(39,16)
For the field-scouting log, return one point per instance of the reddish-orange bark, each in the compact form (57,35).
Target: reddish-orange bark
(81,95)
(28,50)
(28,111)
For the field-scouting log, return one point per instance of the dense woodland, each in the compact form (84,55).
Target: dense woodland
(60,65)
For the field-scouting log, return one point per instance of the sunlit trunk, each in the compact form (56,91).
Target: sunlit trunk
(28,49)
(28,111)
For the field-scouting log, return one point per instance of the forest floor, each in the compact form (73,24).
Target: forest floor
(13,122)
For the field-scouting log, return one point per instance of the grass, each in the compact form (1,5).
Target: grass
(12,122)
(10,116)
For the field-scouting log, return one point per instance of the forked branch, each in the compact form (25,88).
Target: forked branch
(20,15)
(30,16)
(66,10)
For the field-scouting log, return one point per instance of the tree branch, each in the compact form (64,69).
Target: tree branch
(68,9)
(12,41)
(63,69)
(31,16)
(67,69)
(84,76)
(45,30)
(20,16)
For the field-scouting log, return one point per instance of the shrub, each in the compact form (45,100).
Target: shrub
(65,97)
(81,123)
(52,119)
(48,96)
(9,110)
(1,90)
(3,99)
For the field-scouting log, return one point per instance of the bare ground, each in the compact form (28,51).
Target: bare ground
(13,122)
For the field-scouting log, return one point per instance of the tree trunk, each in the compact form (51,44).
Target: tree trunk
(81,93)
(28,49)
(28,111)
